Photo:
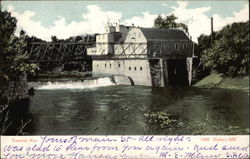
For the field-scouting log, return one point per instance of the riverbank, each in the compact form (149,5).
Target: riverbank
(216,80)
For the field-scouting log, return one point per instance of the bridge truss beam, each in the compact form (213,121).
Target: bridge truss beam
(68,51)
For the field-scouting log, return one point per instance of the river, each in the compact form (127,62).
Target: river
(103,108)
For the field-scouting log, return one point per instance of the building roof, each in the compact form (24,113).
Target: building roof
(163,34)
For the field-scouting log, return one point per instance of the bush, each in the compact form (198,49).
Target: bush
(159,120)
(229,52)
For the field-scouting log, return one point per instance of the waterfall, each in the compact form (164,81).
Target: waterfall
(77,84)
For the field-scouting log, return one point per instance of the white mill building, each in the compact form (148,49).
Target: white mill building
(149,56)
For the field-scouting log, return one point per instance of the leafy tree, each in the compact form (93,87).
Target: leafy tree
(230,52)
(204,42)
(34,39)
(54,39)
(7,29)
(22,33)
(13,50)
(78,38)
(168,22)
(159,22)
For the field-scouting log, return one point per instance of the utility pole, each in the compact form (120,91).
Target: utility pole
(212,30)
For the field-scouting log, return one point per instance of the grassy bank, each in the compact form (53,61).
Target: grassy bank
(216,80)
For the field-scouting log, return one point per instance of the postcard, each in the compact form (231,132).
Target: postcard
(124,79)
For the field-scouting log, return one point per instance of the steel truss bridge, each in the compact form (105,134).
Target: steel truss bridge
(57,51)
(77,51)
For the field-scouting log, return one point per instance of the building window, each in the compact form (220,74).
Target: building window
(105,65)
(141,68)
(135,68)
(129,68)
(97,65)
(184,46)
(110,65)
(176,47)
(119,65)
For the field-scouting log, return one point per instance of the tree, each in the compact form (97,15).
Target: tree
(169,22)
(54,39)
(13,50)
(230,52)
(78,38)
(7,29)
(159,22)
(22,33)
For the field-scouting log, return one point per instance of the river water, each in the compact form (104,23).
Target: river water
(102,108)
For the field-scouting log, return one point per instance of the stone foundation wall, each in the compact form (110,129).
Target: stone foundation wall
(153,72)
(137,70)
(156,71)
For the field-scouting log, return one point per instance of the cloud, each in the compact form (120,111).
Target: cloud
(182,4)
(166,5)
(196,19)
(240,16)
(92,22)
(95,18)
(199,23)
(147,20)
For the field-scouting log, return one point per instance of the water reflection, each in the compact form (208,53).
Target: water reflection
(16,119)
(121,110)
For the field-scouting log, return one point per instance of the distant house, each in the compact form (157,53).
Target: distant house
(144,54)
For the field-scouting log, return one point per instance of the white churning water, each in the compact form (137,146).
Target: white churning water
(81,84)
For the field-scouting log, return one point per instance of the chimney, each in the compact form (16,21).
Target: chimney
(212,30)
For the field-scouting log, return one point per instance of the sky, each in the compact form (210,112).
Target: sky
(71,18)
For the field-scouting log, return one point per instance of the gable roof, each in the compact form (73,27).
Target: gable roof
(163,34)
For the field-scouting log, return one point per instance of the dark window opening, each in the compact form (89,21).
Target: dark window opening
(97,65)
(110,65)
(119,65)
(129,68)
(176,47)
(105,65)
(135,68)
(141,68)
(185,46)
